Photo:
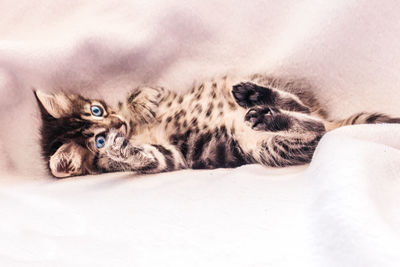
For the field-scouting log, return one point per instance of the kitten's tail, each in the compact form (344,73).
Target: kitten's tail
(362,118)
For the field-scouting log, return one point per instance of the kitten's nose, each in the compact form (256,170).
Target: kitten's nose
(119,123)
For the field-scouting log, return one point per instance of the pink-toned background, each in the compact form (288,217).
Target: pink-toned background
(342,210)
(349,49)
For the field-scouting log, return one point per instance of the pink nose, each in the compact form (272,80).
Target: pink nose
(117,123)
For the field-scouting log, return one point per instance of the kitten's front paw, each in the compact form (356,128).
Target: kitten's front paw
(267,119)
(116,144)
(143,103)
(249,94)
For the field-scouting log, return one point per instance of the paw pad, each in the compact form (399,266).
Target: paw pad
(249,94)
(259,118)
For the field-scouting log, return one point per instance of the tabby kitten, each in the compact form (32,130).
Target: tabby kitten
(220,123)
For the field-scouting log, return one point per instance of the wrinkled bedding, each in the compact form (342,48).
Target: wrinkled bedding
(340,210)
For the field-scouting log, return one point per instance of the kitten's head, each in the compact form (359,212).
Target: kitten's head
(73,132)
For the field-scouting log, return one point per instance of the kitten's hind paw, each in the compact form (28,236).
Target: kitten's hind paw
(258,118)
(250,94)
(267,119)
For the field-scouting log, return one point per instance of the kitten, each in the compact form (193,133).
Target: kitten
(220,123)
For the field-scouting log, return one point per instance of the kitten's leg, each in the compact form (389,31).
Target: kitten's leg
(121,155)
(142,103)
(250,94)
(281,151)
(263,118)
(292,137)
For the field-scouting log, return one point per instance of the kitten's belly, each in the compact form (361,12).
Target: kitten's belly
(223,141)
(206,126)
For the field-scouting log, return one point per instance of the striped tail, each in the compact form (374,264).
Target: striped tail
(362,118)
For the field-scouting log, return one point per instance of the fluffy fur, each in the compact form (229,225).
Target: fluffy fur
(226,122)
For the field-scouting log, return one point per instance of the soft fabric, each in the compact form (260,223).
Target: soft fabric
(341,210)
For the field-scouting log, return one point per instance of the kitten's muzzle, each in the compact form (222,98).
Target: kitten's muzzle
(119,124)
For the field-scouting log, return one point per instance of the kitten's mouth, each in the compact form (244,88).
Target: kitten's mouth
(124,127)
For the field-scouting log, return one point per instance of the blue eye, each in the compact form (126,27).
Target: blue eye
(100,141)
(96,111)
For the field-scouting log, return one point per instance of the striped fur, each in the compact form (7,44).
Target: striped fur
(363,118)
(225,122)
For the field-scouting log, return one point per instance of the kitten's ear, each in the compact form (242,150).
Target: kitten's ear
(69,161)
(56,105)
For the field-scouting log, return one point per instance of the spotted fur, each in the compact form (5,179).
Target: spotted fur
(226,122)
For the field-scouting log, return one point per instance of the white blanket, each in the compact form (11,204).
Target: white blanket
(341,210)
